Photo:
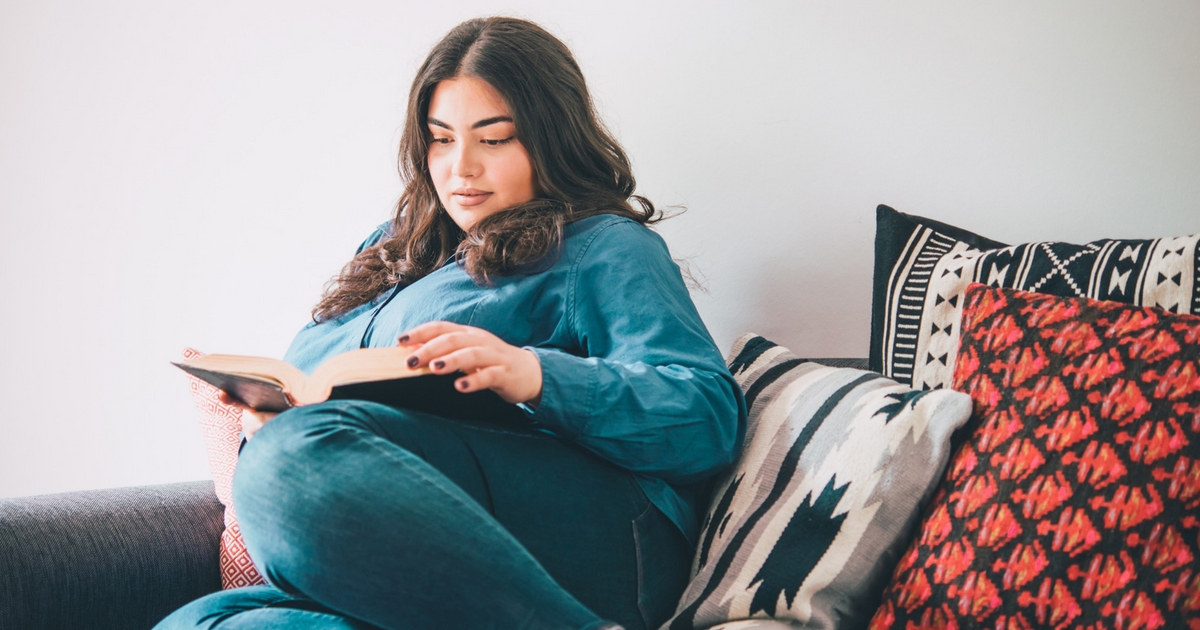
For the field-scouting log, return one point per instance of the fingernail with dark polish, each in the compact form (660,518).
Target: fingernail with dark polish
(462,384)
(402,339)
(412,361)
(439,364)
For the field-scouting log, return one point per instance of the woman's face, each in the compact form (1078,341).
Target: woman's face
(477,164)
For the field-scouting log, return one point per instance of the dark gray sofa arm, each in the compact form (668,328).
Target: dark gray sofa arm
(122,558)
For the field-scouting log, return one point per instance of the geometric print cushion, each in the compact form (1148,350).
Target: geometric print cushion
(1074,501)
(834,470)
(917,307)
(222,428)
(895,235)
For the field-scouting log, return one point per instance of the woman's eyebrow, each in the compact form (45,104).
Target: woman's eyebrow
(483,123)
(491,121)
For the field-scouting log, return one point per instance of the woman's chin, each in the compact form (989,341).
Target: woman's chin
(467,217)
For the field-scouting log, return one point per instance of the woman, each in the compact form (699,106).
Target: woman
(516,258)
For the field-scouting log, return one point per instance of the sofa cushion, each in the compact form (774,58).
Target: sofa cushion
(922,268)
(1073,501)
(830,481)
(222,428)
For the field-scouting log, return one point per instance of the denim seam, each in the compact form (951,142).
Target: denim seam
(573,279)
(573,314)
(637,552)
(487,488)
(475,307)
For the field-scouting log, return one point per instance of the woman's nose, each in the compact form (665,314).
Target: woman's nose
(466,162)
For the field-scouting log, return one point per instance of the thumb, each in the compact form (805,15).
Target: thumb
(226,399)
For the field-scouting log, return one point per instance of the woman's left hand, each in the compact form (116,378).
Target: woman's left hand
(489,363)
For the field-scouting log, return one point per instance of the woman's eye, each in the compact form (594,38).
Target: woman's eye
(496,143)
(441,140)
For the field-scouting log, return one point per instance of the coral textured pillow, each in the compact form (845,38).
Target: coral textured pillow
(922,268)
(222,427)
(829,485)
(1074,501)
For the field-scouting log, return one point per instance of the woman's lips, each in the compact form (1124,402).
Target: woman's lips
(470,196)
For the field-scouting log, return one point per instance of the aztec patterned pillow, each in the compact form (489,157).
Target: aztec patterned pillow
(1074,501)
(222,428)
(921,272)
(830,482)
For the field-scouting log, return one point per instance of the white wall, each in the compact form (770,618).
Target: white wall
(177,174)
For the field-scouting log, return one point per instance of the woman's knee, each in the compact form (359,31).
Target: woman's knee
(317,422)
(269,462)
(294,438)
(215,608)
(291,485)
(295,432)
(314,476)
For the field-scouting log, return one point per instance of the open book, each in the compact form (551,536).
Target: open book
(374,374)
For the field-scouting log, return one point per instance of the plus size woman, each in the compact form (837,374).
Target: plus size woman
(518,258)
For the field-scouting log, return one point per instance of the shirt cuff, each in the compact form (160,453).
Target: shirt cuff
(568,390)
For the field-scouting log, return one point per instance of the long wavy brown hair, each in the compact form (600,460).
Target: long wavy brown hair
(579,169)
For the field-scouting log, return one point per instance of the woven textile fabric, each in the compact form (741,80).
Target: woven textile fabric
(1075,501)
(829,485)
(917,301)
(894,234)
(222,428)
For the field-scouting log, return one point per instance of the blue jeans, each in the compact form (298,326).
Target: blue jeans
(362,516)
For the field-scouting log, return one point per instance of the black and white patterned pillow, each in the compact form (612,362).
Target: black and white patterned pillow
(923,267)
(835,468)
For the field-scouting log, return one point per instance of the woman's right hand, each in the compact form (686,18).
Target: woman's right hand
(252,420)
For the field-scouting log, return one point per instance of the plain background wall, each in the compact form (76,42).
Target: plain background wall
(177,174)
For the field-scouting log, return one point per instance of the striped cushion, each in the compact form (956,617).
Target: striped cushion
(835,468)
(922,269)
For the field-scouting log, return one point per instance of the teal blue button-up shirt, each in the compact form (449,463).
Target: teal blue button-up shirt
(629,370)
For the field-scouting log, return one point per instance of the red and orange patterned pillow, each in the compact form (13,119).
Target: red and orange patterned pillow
(1075,500)
(222,428)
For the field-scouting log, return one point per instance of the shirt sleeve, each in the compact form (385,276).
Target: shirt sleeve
(647,389)
(384,230)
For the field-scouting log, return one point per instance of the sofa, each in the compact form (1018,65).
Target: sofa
(120,558)
(1021,449)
